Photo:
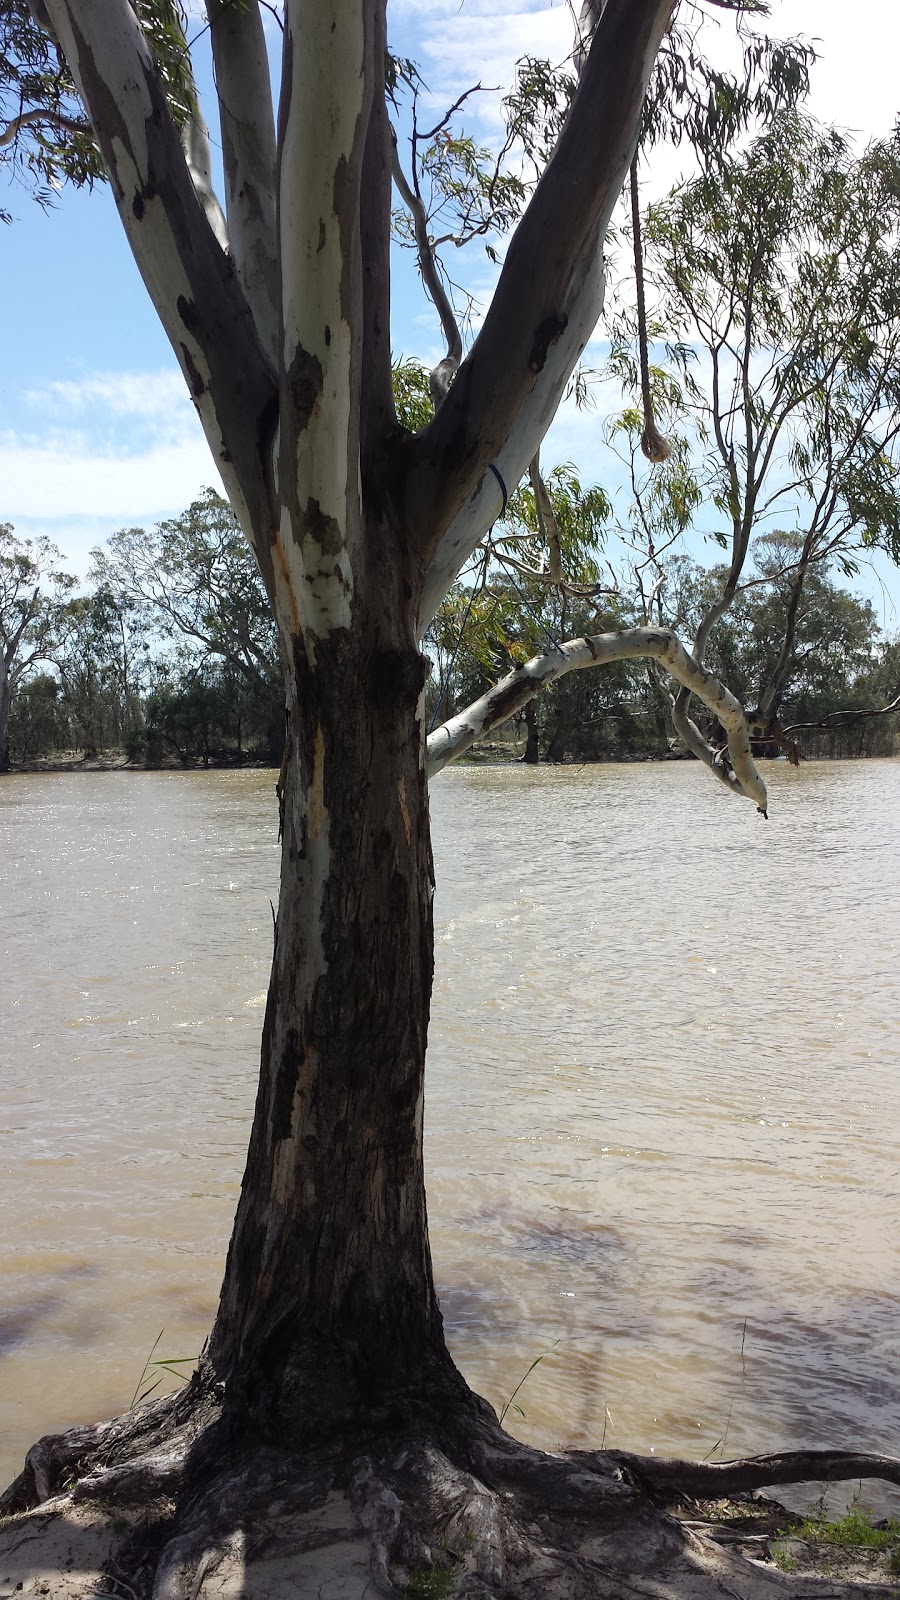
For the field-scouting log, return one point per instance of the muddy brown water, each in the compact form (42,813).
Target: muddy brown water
(663,1100)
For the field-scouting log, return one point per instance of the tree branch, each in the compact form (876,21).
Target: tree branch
(518,687)
(851,716)
(188,275)
(324,113)
(445,371)
(247,124)
(378,420)
(546,520)
(35,119)
(654,446)
(545,306)
(198,160)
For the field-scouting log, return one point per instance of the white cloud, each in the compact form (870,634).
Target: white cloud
(52,483)
(457,47)
(143,394)
(105,451)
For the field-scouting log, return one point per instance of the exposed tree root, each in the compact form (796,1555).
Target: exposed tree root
(661,1476)
(482,1515)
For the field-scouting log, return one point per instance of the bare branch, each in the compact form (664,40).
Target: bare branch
(851,717)
(659,644)
(546,521)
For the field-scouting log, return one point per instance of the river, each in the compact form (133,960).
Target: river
(663,1097)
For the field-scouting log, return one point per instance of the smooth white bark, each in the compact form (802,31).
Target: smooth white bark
(658,644)
(167,228)
(325,101)
(198,159)
(247,124)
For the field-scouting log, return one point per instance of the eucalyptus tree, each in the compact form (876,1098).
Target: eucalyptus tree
(327,1364)
(32,585)
(101,656)
(194,580)
(778,272)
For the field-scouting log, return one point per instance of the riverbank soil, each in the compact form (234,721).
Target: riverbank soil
(185,1517)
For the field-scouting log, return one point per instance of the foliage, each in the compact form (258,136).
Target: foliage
(432,1582)
(691,100)
(412,395)
(31,587)
(45,137)
(782,267)
(194,579)
(856,1530)
(54,145)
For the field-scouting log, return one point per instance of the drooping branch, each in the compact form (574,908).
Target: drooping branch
(654,446)
(710,1479)
(699,747)
(658,644)
(247,124)
(45,117)
(187,273)
(545,306)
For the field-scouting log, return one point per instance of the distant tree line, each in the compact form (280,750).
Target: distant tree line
(761,382)
(841,673)
(169,656)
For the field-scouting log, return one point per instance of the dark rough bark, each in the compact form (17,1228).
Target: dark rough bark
(328,1317)
(531,755)
(556,749)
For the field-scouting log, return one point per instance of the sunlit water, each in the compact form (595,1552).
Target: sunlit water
(663,1098)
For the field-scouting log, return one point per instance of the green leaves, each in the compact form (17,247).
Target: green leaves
(690,100)
(45,137)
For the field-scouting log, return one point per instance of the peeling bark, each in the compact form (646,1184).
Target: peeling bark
(520,686)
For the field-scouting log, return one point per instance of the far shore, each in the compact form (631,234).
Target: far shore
(491,755)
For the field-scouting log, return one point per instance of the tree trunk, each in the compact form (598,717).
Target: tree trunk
(328,1318)
(556,749)
(5,702)
(531,755)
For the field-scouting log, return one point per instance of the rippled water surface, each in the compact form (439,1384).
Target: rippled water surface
(663,1098)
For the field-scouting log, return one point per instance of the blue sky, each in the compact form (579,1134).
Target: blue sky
(96,429)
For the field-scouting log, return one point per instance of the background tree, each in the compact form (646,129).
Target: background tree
(31,585)
(194,579)
(780,267)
